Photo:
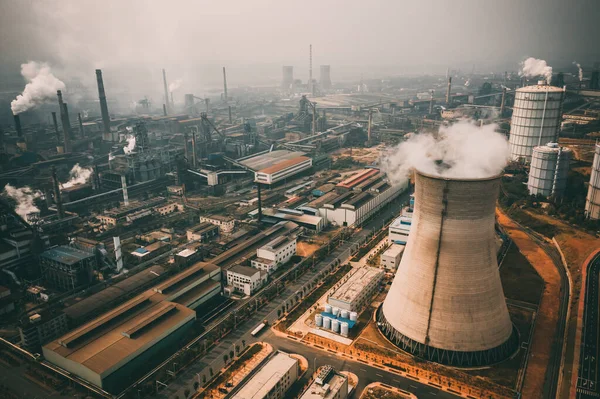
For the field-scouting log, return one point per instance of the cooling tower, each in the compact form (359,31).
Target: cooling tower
(446,303)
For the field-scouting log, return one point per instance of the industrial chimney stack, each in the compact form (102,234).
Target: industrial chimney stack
(103,104)
(448,99)
(167,105)
(57,196)
(224,85)
(64,121)
(446,303)
(18,128)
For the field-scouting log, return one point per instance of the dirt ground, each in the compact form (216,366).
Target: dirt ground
(547,318)
(362,155)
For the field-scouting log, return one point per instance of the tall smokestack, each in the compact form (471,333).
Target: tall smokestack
(118,253)
(18,128)
(55,122)
(503,101)
(63,121)
(103,104)
(68,119)
(310,79)
(259,203)
(224,85)
(124,186)
(165,109)
(369,125)
(194,157)
(81,134)
(230,119)
(168,108)
(57,197)
(185,145)
(449,89)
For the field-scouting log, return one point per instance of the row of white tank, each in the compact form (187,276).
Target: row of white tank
(336,326)
(344,314)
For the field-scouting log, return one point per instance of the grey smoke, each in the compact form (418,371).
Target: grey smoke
(175,85)
(41,87)
(24,197)
(462,150)
(532,67)
(78,175)
(580,70)
(130,145)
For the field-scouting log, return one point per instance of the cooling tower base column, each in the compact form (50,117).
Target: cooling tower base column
(445,356)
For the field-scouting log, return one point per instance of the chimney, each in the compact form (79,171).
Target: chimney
(168,108)
(81,134)
(259,203)
(57,197)
(194,158)
(63,121)
(448,91)
(369,125)
(503,100)
(103,104)
(68,122)
(431,103)
(18,128)
(224,85)
(55,122)
(230,119)
(165,109)
(185,145)
(124,186)
(118,253)
(172,101)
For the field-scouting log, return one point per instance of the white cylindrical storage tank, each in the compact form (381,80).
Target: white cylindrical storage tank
(335,311)
(592,202)
(327,322)
(335,325)
(344,314)
(549,170)
(328,308)
(536,118)
(353,316)
(344,329)
(319,320)
(446,303)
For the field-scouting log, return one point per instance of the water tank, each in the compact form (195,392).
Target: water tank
(335,325)
(319,320)
(335,310)
(328,308)
(549,169)
(344,329)
(446,303)
(536,118)
(592,202)
(344,314)
(327,322)
(353,316)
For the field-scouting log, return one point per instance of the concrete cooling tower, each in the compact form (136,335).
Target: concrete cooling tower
(446,303)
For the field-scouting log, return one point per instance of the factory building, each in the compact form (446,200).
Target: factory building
(148,252)
(390,259)
(277,166)
(592,201)
(272,380)
(312,223)
(356,292)
(226,224)
(328,384)
(202,232)
(275,253)
(123,344)
(134,210)
(169,208)
(359,197)
(245,279)
(39,328)
(549,170)
(399,230)
(66,268)
(536,119)
(446,303)
(7,304)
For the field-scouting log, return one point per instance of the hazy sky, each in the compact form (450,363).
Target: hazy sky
(192,39)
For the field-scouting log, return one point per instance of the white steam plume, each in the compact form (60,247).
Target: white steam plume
(78,175)
(580,70)
(41,87)
(175,85)
(532,67)
(130,145)
(462,150)
(24,197)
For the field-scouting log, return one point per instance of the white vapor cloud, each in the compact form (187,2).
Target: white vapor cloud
(532,67)
(130,144)
(41,87)
(175,85)
(78,175)
(580,70)
(24,197)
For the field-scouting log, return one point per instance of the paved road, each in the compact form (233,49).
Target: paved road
(587,378)
(214,360)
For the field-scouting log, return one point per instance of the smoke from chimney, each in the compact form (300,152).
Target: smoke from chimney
(18,128)
(78,175)
(462,150)
(580,75)
(175,85)
(24,197)
(41,86)
(130,145)
(532,67)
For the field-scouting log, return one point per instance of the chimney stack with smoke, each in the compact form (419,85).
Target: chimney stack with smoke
(57,197)
(103,103)
(168,108)
(63,121)
(448,91)
(55,123)
(224,85)
(18,128)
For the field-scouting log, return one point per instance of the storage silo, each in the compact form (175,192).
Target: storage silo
(344,314)
(536,118)
(335,311)
(446,303)
(328,308)
(319,320)
(327,323)
(549,170)
(335,325)
(353,316)
(344,328)
(592,201)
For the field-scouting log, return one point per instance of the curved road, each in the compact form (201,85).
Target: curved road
(587,377)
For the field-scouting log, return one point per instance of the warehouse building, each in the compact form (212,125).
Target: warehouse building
(275,253)
(202,232)
(245,279)
(273,379)
(328,384)
(275,166)
(359,197)
(128,213)
(390,259)
(356,292)
(66,268)
(36,329)
(226,224)
(312,223)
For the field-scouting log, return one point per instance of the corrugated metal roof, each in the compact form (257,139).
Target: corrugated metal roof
(66,255)
(284,165)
